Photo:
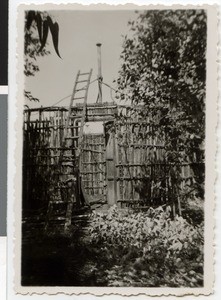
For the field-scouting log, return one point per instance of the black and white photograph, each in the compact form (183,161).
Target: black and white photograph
(114,148)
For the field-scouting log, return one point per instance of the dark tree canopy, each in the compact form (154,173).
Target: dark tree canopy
(164,68)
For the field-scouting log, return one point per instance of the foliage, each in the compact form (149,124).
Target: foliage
(29,96)
(37,26)
(148,248)
(44,24)
(164,68)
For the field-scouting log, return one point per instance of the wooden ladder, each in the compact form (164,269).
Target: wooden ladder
(68,165)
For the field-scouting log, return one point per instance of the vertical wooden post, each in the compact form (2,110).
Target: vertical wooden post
(117,173)
(179,206)
(111,171)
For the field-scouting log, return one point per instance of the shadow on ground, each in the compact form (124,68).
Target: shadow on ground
(57,259)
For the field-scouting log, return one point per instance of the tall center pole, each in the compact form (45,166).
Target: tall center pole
(99,75)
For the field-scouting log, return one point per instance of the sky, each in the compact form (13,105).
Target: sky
(79,31)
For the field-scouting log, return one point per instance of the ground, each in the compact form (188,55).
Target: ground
(115,248)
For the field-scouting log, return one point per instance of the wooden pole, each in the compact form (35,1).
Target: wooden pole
(99,76)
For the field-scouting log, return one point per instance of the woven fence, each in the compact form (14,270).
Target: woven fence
(126,164)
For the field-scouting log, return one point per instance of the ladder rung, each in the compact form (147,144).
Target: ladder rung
(75,117)
(66,174)
(84,74)
(67,164)
(63,188)
(72,127)
(80,81)
(59,202)
(94,163)
(72,137)
(78,98)
(57,219)
(68,160)
(67,148)
(83,89)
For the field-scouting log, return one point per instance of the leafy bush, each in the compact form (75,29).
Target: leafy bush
(148,248)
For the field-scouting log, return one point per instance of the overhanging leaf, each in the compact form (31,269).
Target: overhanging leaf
(54,28)
(30,18)
(38,21)
(45,35)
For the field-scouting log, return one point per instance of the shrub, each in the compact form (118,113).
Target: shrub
(148,248)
